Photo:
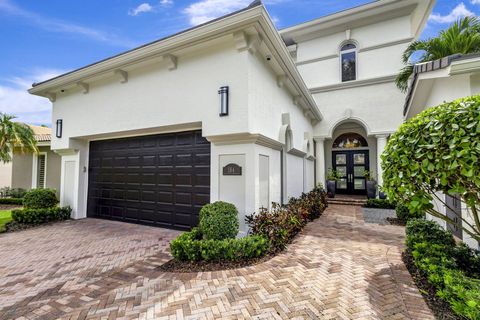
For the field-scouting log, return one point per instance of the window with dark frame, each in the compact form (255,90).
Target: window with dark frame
(348,56)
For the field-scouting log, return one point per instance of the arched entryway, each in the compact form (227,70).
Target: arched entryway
(351,159)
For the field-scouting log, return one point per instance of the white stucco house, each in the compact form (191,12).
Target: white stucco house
(434,83)
(232,110)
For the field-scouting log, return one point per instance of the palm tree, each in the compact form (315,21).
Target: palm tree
(461,37)
(15,135)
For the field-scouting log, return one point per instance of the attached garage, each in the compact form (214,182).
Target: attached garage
(161,180)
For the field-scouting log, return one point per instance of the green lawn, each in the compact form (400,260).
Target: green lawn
(5,217)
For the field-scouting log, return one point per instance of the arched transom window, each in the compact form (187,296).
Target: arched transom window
(350,140)
(348,56)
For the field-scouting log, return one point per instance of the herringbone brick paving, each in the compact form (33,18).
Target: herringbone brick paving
(338,268)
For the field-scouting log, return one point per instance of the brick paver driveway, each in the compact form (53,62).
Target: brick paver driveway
(338,268)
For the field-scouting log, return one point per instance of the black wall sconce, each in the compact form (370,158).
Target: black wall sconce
(59,128)
(224,97)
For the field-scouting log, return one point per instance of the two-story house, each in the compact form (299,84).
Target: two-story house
(231,110)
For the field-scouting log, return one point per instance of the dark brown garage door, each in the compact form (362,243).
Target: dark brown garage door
(160,180)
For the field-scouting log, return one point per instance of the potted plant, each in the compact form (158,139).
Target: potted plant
(371,185)
(382,195)
(332,178)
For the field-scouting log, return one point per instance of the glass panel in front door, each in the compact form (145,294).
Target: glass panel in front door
(359,167)
(342,173)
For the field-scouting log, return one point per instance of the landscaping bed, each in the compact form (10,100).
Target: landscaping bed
(447,273)
(212,246)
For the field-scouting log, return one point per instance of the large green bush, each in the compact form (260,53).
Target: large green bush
(39,216)
(437,150)
(190,246)
(219,221)
(404,213)
(448,267)
(40,199)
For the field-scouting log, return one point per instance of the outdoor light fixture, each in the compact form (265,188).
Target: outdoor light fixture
(224,93)
(58,129)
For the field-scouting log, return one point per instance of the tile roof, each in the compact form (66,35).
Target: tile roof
(432,66)
(42,134)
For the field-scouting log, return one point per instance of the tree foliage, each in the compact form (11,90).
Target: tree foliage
(437,151)
(15,135)
(461,37)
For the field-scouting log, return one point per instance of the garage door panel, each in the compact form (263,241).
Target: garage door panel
(161,180)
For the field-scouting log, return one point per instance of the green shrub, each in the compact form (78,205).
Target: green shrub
(12,201)
(404,213)
(448,267)
(219,221)
(190,246)
(380,204)
(39,216)
(12,193)
(40,199)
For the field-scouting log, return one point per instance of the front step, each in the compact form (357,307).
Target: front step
(347,202)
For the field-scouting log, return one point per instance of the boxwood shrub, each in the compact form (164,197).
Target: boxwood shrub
(380,204)
(190,246)
(39,216)
(12,201)
(453,270)
(40,199)
(219,221)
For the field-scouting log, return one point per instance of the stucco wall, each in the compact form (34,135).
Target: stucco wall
(5,174)
(155,97)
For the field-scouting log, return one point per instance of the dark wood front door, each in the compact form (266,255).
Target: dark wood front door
(351,166)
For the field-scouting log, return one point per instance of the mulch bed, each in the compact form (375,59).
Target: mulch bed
(440,308)
(175,266)
(396,222)
(9,207)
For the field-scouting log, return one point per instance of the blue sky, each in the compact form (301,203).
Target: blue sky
(41,39)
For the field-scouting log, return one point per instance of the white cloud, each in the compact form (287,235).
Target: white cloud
(206,10)
(15,100)
(458,12)
(142,8)
(475,1)
(54,25)
(166,3)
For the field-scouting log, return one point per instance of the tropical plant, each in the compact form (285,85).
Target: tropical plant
(437,151)
(462,37)
(333,175)
(15,135)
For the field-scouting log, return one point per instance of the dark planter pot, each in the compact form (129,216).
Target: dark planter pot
(382,195)
(371,190)
(331,188)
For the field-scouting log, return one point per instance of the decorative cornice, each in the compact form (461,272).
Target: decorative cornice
(386,44)
(307,61)
(354,84)
(245,138)
(296,152)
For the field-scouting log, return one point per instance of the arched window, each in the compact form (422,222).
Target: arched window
(348,59)
(350,140)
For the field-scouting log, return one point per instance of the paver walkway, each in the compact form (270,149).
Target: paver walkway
(338,268)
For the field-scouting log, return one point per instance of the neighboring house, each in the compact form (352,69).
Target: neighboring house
(5,174)
(29,170)
(434,83)
(231,110)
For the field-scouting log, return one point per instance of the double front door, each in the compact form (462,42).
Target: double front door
(351,166)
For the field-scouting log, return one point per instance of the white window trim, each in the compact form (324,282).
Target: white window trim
(35,169)
(341,60)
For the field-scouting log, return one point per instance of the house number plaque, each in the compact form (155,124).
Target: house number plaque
(232,169)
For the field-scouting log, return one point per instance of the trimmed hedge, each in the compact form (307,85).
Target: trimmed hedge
(380,204)
(219,221)
(40,199)
(282,223)
(190,246)
(39,216)
(453,270)
(404,214)
(12,201)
